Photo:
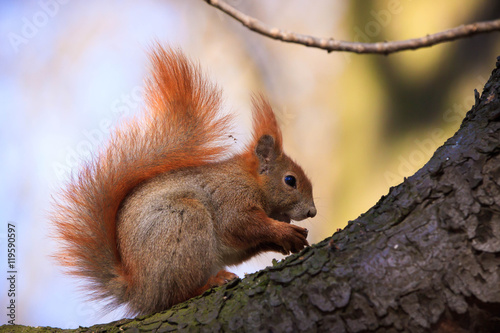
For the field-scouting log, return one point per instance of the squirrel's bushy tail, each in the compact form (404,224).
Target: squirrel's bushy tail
(181,128)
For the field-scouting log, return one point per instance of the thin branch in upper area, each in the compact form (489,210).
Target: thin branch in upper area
(330,44)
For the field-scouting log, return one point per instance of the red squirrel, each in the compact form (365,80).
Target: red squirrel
(154,217)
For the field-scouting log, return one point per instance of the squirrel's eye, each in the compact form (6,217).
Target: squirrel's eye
(291,181)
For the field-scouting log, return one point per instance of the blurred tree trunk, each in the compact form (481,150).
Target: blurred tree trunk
(425,258)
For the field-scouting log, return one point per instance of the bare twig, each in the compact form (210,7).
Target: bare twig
(329,44)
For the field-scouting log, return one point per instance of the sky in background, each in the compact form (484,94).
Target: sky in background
(358,124)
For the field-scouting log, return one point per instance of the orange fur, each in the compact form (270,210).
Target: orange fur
(180,129)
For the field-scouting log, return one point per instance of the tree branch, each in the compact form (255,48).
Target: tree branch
(330,44)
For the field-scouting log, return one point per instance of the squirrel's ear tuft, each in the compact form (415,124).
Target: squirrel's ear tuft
(266,152)
(264,122)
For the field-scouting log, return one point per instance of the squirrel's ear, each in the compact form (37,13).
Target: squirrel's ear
(266,152)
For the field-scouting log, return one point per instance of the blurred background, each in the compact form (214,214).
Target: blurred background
(358,124)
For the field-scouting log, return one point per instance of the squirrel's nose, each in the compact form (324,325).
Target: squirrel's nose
(311,212)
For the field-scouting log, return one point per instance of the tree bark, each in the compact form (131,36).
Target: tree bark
(425,258)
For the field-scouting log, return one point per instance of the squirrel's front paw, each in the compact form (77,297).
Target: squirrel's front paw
(292,238)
